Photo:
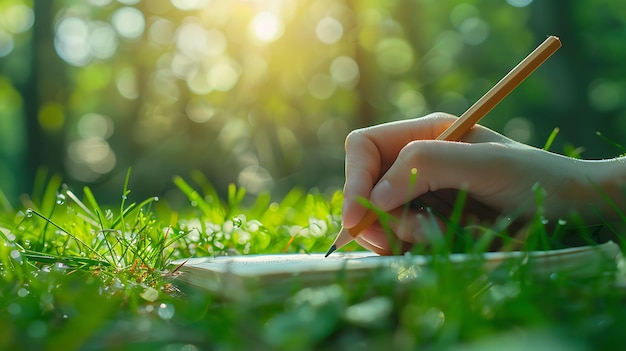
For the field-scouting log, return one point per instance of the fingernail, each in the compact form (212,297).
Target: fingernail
(381,195)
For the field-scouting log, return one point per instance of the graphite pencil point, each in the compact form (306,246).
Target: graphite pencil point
(331,250)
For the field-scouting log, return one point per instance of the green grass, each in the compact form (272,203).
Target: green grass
(76,274)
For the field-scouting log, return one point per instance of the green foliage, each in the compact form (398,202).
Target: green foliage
(91,276)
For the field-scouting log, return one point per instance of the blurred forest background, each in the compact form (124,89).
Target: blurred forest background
(263,92)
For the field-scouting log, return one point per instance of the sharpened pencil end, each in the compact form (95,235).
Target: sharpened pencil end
(331,250)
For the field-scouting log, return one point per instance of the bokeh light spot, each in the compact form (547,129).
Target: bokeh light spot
(255,179)
(224,75)
(329,30)
(322,86)
(519,3)
(333,132)
(394,55)
(102,40)
(216,42)
(267,27)
(519,129)
(195,41)
(126,83)
(17,18)
(94,77)
(51,117)
(199,110)
(189,5)
(604,94)
(234,136)
(90,158)
(198,83)
(100,3)
(161,32)
(72,41)
(95,125)
(411,104)
(128,22)
(474,31)
(368,35)
(6,43)
(462,12)
(344,70)
(37,329)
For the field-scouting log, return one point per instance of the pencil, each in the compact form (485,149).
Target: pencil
(468,119)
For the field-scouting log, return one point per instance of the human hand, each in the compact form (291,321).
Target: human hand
(497,173)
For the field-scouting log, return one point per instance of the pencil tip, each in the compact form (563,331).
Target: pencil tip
(331,250)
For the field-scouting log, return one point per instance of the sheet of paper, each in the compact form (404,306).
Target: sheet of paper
(259,265)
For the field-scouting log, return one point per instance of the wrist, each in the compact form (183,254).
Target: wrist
(604,189)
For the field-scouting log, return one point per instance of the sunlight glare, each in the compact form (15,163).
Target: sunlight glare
(267,27)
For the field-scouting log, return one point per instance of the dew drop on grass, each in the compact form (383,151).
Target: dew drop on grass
(237,222)
(562,222)
(29,212)
(16,255)
(156,198)
(60,199)
(166,311)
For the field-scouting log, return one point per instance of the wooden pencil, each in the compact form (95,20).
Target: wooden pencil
(468,119)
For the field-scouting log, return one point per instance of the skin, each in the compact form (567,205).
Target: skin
(499,175)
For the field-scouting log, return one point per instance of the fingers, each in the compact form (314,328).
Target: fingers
(430,165)
(371,151)
(401,230)
(378,242)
